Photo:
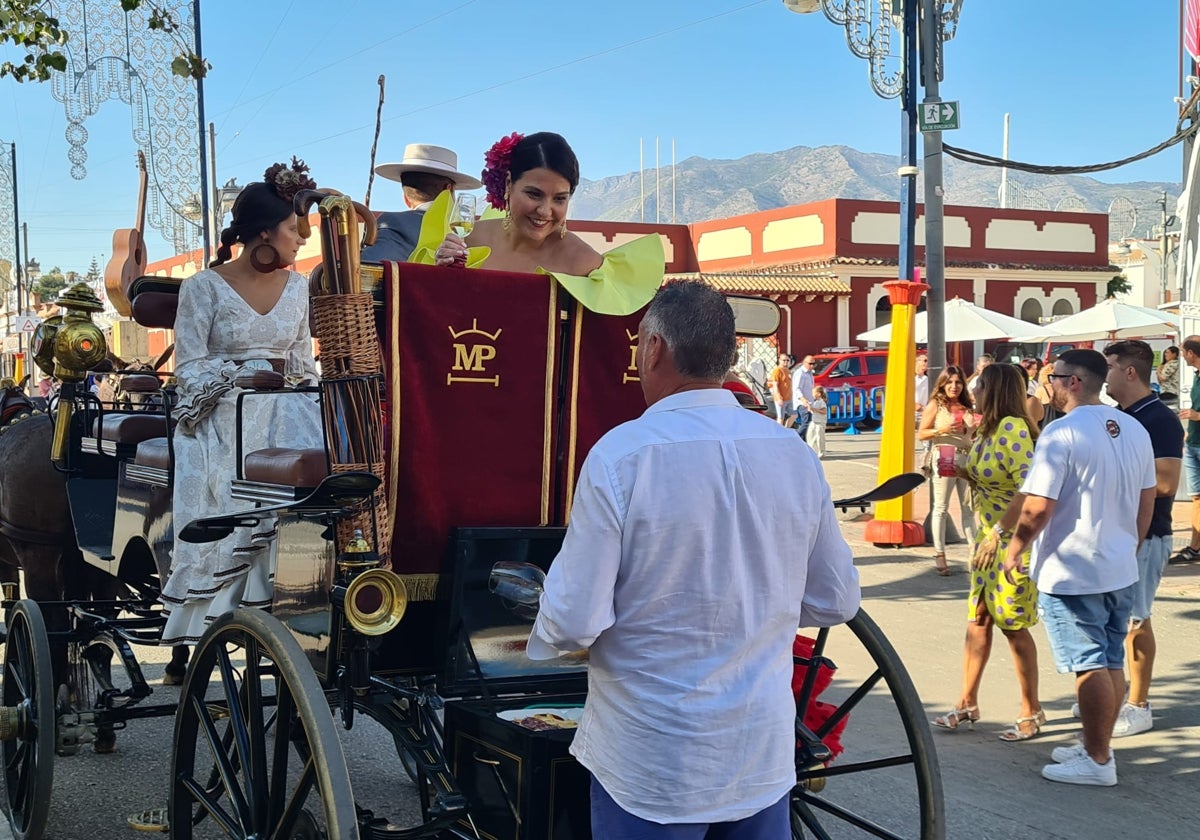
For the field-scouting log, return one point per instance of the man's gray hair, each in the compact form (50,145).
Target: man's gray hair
(696,322)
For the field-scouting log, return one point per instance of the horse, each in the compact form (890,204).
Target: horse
(37,534)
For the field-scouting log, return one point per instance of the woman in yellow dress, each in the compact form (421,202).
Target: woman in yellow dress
(996,468)
(531,179)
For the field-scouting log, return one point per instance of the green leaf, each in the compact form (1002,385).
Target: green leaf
(180,66)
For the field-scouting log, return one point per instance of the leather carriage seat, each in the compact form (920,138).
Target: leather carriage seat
(140,383)
(289,467)
(130,428)
(154,452)
(153,301)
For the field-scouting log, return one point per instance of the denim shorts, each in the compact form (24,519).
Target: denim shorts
(1191,469)
(1087,632)
(1151,559)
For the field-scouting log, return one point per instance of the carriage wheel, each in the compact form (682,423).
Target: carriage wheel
(29,687)
(256,749)
(887,783)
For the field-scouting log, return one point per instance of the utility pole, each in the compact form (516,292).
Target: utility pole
(1162,248)
(935,250)
(17,251)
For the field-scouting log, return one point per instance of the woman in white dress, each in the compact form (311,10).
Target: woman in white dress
(234,317)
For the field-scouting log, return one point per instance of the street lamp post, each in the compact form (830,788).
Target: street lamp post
(869,34)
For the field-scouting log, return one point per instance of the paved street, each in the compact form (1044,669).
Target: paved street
(992,788)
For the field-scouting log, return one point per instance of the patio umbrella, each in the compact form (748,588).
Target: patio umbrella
(965,322)
(1111,319)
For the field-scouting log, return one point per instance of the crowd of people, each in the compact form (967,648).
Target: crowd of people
(1066,502)
(1069,518)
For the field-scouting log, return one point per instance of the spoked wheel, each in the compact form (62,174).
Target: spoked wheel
(257,754)
(886,783)
(28,698)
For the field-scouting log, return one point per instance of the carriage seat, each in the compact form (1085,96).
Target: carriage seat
(154,453)
(130,428)
(153,301)
(289,467)
(141,383)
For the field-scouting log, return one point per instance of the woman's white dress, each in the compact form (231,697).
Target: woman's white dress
(218,336)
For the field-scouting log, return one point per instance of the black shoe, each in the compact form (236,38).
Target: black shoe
(1184,555)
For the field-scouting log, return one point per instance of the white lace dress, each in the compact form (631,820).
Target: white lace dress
(217,336)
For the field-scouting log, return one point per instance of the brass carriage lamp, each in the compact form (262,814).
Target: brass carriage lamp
(68,346)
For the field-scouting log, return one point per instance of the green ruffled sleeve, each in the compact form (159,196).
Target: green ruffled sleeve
(626,280)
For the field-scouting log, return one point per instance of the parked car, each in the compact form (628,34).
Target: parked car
(850,367)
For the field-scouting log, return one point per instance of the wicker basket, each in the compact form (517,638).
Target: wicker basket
(345,327)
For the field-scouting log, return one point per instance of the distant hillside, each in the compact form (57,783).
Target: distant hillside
(712,189)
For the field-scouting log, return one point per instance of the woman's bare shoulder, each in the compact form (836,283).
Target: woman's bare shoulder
(578,257)
(486,232)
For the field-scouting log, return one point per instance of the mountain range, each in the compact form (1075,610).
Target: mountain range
(712,189)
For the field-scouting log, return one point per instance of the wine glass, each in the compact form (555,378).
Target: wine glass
(293,371)
(462,220)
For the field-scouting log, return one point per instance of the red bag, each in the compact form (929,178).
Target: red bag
(817,712)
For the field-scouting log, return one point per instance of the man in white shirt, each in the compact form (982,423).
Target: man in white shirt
(1085,506)
(921,383)
(802,393)
(687,576)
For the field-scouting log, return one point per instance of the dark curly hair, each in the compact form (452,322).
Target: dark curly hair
(262,205)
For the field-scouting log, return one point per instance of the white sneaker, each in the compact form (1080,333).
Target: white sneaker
(1062,755)
(1132,720)
(1083,771)
(1075,713)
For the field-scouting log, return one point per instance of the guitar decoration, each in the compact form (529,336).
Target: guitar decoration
(129,250)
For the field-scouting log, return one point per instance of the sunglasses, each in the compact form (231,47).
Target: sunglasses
(1060,376)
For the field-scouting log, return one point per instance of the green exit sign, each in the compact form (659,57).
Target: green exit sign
(938,116)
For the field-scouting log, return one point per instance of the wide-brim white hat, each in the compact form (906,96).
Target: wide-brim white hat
(436,160)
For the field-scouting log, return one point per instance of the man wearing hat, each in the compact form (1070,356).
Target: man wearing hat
(424,172)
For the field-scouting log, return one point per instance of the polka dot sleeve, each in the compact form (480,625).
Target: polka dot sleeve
(1014,448)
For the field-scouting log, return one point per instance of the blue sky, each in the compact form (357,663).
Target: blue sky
(1084,82)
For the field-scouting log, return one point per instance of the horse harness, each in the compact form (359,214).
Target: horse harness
(15,407)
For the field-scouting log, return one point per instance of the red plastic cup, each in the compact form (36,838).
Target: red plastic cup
(945,460)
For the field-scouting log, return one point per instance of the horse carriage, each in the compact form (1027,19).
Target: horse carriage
(458,406)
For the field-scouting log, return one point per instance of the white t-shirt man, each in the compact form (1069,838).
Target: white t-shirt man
(1094,462)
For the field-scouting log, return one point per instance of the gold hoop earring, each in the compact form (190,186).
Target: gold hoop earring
(562,231)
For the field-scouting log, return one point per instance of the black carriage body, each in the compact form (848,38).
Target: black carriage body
(522,784)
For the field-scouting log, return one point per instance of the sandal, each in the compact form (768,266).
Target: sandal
(1187,554)
(952,718)
(1017,732)
(939,565)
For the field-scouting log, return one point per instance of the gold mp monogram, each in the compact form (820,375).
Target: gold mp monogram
(473,357)
(631,372)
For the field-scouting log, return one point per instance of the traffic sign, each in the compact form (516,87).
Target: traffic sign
(28,323)
(938,116)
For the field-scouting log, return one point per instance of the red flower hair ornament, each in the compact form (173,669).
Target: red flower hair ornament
(496,165)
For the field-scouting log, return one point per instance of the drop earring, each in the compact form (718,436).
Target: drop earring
(562,231)
(507,221)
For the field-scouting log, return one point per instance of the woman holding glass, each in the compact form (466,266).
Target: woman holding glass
(996,467)
(531,179)
(947,421)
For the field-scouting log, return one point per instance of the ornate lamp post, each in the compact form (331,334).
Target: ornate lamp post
(10,219)
(872,28)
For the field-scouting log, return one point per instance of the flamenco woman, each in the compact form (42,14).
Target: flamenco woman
(531,178)
(237,316)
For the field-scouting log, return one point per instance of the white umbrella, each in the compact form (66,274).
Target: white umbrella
(964,322)
(1111,319)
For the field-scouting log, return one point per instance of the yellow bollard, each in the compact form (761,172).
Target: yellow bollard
(893,523)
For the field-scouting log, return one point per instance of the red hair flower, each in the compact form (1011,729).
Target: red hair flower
(496,166)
